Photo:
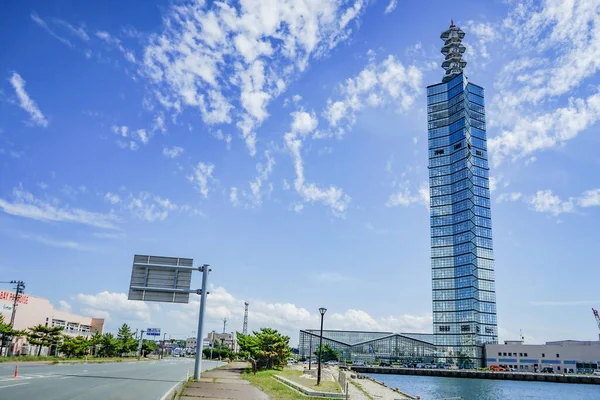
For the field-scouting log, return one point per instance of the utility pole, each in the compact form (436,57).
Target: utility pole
(204,294)
(224,324)
(140,344)
(245,328)
(18,290)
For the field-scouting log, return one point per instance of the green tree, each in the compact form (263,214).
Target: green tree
(108,346)
(268,347)
(219,351)
(126,343)
(329,353)
(41,336)
(95,340)
(148,346)
(7,333)
(75,346)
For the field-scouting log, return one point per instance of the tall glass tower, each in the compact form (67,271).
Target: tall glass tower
(464,299)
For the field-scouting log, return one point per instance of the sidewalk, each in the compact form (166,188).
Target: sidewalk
(223,384)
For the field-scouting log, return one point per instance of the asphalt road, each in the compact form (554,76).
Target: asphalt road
(145,380)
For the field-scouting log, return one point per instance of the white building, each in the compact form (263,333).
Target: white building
(32,311)
(227,339)
(561,356)
(190,343)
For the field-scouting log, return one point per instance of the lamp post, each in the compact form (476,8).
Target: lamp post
(212,343)
(322,310)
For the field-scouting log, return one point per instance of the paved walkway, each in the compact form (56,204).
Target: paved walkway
(223,384)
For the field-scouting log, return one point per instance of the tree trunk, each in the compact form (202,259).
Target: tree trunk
(39,350)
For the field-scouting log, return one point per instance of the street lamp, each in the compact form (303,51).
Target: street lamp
(322,310)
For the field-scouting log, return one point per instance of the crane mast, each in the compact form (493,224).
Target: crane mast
(597,319)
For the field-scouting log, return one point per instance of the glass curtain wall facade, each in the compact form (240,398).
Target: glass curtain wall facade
(370,346)
(464,302)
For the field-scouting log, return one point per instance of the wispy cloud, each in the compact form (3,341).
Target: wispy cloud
(38,20)
(186,61)
(26,102)
(201,175)
(28,206)
(564,303)
(56,243)
(332,277)
(172,152)
(391,6)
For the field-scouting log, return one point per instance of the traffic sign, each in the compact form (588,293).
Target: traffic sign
(164,279)
(153,332)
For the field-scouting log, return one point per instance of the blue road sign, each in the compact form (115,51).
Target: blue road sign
(153,332)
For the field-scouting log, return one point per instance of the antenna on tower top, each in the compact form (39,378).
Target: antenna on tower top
(451,22)
(224,324)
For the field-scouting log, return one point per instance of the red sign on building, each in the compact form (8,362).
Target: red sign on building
(10,296)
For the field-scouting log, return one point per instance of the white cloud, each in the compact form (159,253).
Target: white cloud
(26,102)
(378,84)
(225,137)
(233,196)
(36,18)
(120,130)
(27,206)
(391,6)
(43,185)
(288,318)
(544,201)
(590,198)
(142,207)
(555,43)
(214,55)
(116,42)
(79,32)
(143,135)
(116,305)
(304,122)
(264,170)
(505,197)
(404,197)
(54,243)
(112,198)
(531,132)
(64,306)
(202,173)
(172,152)
(310,192)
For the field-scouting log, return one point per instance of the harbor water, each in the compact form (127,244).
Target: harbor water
(435,388)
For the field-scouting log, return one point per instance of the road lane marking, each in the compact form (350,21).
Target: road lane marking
(16,384)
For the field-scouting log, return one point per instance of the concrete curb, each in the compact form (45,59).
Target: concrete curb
(307,391)
(172,393)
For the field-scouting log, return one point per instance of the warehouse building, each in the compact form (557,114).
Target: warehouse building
(565,356)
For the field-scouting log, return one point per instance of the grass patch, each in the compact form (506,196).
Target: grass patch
(325,386)
(276,390)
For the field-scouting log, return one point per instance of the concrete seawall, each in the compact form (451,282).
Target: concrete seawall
(513,376)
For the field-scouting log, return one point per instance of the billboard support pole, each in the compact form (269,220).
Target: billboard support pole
(140,344)
(203,296)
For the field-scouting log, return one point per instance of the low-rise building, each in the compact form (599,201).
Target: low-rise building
(226,339)
(568,356)
(33,310)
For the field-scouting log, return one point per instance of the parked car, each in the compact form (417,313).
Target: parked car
(359,363)
(385,364)
(420,365)
(597,372)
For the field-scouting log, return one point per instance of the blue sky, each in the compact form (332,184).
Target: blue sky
(285,143)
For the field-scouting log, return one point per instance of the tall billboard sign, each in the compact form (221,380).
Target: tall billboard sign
(163,279)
